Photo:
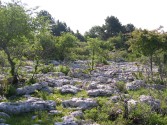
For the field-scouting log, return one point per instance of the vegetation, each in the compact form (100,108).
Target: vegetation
(40,39)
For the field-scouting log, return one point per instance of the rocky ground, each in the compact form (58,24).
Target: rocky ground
(79,91)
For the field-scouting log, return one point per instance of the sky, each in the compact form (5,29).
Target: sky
(83,14)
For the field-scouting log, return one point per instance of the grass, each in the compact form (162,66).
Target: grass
(42,117)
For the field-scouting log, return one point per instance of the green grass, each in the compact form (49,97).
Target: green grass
(26,118)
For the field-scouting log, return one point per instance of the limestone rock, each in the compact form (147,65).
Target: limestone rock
(31,89)
(69,89)
(4,115)
(154,103)
(80,103)
(137,84)
(32,104)
(100,92)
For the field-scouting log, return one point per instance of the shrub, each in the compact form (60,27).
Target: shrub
(63,69)
(121,86)
(47,68)
(11,90)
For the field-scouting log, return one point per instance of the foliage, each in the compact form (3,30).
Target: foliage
(63,69)
(16,28)
(47,68)
(65,43)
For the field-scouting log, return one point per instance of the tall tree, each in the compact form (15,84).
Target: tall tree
(112,26)
(79,36)
(16,27)
(146,43)
(96,32)
(64,44)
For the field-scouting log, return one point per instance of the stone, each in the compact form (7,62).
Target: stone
(4,115)
(69,89)
(69,118)
(2,120)
(47,89)
(80,103)
(34,117)
(53,82)
(77,113)
(54,112)
(100,92)
(154,103)
(132,104)
(137,84)
(31,89)
(31,104)
(115,99)
(54,62)
(65,123)
(102,79)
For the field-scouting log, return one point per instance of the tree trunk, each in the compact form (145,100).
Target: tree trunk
(126,112)
(12,66)
(93,58)
(151,66)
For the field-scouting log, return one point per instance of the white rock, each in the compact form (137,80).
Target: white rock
(80,103)
(137,84)
(154,103)
(31,89)
(99,92)
(69,89)
(32,104)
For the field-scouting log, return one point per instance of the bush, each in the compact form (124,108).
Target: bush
(121,87)
(63,69)
(47,68)
(11,90)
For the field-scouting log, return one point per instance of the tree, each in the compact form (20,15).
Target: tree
(112,26)
(16,26)
(95,50)
(46,17)
(117,42)
(59,27)
(128,28)
(64,44)
(79,36)
(146,43)
(96,32)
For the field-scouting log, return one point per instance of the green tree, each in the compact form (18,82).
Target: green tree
(79,36)
(64,44)
(95,50)
(96,32)
(145,43)
(16,27)
(112,26)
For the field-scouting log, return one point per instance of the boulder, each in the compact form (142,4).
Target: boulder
(77,113)
(115,99)
(2,120)
(80,103)
(137,84)
(4,115)
(31,104)
(65,123)
(69,89)
(99,92)
(92,85)
(102,79)
(54,112)
(132,104)
(31,89)
(154,103)
(54,62)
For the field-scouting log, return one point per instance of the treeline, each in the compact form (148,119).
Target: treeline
(24,36)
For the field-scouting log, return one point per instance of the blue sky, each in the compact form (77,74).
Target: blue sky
(83,14)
